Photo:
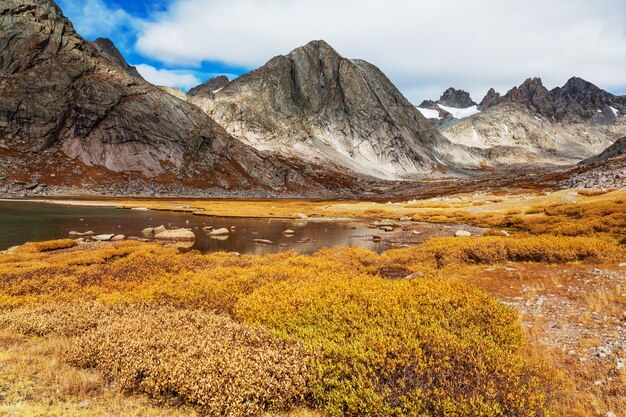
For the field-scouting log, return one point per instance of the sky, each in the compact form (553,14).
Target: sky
(423,46)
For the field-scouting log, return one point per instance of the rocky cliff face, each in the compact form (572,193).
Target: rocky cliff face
(322,107)
(560,126)
(109,51)
(71,109)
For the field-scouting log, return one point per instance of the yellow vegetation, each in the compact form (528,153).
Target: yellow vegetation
(345,331)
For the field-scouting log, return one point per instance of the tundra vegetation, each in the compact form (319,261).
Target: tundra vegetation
(144,329)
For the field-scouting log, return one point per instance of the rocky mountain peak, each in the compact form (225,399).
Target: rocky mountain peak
(108,49)
(210,86)
(456,98)
(491,99)
(329,109)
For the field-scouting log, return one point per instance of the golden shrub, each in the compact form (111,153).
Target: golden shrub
(202,359)
(398,348)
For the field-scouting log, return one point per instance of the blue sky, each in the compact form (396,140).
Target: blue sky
(123,22)
(424,46)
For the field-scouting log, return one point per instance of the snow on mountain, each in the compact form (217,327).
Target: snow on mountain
(460,113)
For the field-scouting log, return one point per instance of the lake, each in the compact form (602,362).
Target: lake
(26,221)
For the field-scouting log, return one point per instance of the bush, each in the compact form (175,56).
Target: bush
(208,361)
(404,348)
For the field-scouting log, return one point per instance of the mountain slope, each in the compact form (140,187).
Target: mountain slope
(73,114)
(322,107)
(561,126)
(616,150)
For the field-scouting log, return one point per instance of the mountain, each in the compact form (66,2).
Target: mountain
(452,106)
(616,150)
(107,48)
(75,116)
(324,108)
(559,126)
(210,86)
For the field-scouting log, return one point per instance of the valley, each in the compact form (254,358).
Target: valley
(295,237)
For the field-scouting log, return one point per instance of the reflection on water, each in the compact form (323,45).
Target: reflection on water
(23,221)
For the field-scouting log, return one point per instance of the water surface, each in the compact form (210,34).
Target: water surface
(24,221)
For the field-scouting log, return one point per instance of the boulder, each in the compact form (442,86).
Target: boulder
(178,235)
(159,229)
(263,241)
(118,238)
(289,232)
(103,238)
(219,232)
(79,234)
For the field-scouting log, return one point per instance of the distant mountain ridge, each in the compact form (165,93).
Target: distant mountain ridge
(559,126)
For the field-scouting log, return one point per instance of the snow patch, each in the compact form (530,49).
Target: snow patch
(460,113)
(615,111)
(506,129)
(428,113)
(218,90)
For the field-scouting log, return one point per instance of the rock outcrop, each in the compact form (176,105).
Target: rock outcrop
(456,98)
(108,49)
(210,86)
(74,114)
(324,108)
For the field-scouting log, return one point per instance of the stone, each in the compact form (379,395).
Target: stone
(376,238)
(462,233)
(207,228)
(159,229)
(118,238)
(301,216)
(179,235)
(148,231)
(103,238)
(386,228)
(289,232)
(219,232)
(83,234)
(263,241)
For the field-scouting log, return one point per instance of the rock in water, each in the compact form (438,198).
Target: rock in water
(178,235)
(220,232)
(103,238)
(79,104)
(317,105)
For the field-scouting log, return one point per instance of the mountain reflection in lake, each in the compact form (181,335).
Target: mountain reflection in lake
(24,221)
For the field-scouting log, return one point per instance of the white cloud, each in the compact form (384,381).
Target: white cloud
(95,18)
(423,46)
(170,78)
